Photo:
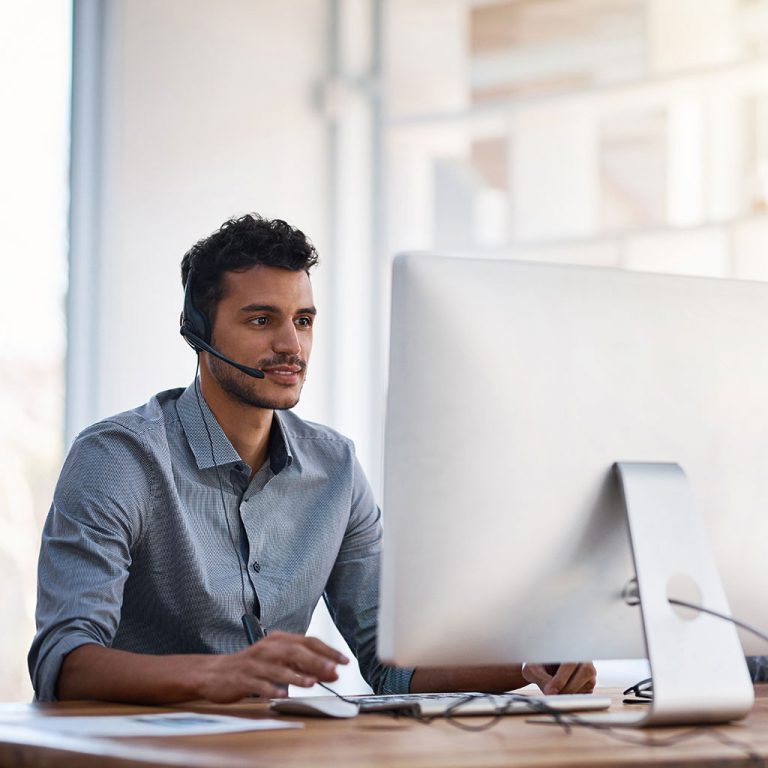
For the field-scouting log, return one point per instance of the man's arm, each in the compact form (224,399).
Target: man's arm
(85,551)
(95,522)
(489,679)
(352,591)
(352,596)
(551,678)
(94,672)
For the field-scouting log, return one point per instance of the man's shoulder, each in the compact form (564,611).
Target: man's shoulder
(148,418)
(119,453)
(296,428)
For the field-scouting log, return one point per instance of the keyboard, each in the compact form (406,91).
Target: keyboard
(460,704)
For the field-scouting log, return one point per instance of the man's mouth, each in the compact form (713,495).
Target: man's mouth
(283,371)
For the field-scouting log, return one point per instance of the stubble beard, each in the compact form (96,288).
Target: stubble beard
(241,386)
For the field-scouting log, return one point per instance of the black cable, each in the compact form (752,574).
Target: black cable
(501,711)
(337,694)
(452,711)
(702,609)
(757,760)
(221,490)
(648,682)
(611,732)
(566,721)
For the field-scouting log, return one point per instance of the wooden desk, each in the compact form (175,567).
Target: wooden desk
(377,740)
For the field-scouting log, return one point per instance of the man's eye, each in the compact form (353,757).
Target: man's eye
(304,322)
(259,321)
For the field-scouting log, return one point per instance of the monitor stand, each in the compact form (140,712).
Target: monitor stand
(696,660)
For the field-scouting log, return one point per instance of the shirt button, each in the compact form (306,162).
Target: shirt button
(239,467)
(256,567)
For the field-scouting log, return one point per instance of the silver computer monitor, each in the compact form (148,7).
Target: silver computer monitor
(513,389)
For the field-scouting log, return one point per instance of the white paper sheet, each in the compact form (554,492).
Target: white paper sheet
(154,724)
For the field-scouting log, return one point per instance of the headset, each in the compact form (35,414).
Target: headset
(196,330)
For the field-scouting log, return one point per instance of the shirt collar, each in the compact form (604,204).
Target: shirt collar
(216,450)
(280,455)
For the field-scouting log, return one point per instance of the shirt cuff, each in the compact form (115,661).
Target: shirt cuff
(397,680)
(758,668)
(46,673)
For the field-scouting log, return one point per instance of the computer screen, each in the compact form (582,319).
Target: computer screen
(514,388)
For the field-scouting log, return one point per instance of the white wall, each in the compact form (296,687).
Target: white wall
(203,110)
(207,110)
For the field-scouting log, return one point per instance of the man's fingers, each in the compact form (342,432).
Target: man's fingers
(264,689)
(587,678)
(312,644)
(246,685)
(536,673)
(308,662)
(281,674)
(572,678)
(268,666)
(297,656)
(582,680)
(560,679)
(318,646)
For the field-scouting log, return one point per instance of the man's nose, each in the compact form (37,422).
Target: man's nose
(287,340)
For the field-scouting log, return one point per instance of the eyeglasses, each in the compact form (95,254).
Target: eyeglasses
(642,691)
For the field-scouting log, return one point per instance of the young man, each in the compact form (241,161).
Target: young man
(190,539)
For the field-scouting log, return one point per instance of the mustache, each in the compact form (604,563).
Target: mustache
(271,362)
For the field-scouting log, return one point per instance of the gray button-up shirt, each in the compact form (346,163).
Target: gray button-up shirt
(136,553)
(758,668)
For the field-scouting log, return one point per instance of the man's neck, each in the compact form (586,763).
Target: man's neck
(245,426)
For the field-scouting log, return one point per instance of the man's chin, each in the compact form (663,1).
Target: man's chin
(280,402)
(268,403)
(285,405)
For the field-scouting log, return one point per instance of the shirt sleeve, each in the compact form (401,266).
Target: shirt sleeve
(85,553)
(352,592)
(758,668)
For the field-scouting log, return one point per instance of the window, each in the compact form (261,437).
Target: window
(34,85)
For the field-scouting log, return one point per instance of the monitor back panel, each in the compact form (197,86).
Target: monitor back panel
(513,389)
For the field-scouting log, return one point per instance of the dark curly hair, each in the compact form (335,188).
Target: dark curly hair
(239,244)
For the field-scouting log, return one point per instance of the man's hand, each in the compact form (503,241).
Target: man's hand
(562,678)
(107,674)
(280,659)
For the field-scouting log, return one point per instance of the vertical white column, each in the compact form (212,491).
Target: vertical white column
(89,25)
(347,101)
(705,140)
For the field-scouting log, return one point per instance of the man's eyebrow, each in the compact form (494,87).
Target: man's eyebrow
(275,311)
(259,308)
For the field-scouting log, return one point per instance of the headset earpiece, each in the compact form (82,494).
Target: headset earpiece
(194,323)
(196,330)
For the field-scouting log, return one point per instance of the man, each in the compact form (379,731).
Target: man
(758,668)
(190,539)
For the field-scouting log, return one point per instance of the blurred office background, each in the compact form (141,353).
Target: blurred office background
(630,133)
